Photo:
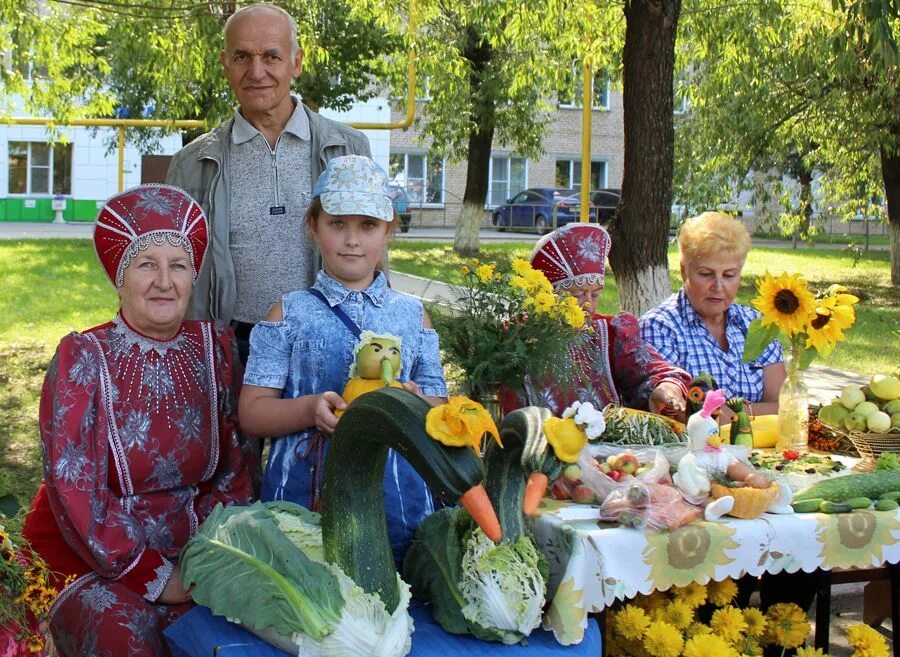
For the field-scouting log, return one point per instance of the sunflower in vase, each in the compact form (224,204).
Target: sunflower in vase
(810,325)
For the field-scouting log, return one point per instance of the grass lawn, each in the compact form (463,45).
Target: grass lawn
(52,287)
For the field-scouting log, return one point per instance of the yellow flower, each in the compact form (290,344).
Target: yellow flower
(663,640)
(788,625)
(538,281)
(565,437)
(756,622)
(722,593)
(677,613)
(631,622)
(729,623)
(707,645)
(544,302)
(810,652)
(519,284)
(694,594)
(521,266)
(866,642)
(485,273)
(697,629)
(35,643)
(784,301)
(460,422)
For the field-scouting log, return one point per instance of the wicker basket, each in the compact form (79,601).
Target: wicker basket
(748,502)
(870,445)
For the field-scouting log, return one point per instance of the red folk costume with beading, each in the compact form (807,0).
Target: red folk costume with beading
(140,441)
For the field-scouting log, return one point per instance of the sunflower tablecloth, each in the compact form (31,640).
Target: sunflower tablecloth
(593,564)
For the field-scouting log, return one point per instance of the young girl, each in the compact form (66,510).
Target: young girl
(301,355)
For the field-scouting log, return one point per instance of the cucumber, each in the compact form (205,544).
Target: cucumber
(845,487)
(807,506)
(893,495)
(886,505)
(858,502)
(834,507)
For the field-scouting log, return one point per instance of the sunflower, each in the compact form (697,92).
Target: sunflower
(663,640)
(631,622)
(866,642)
(788,625)
(785,301)
(722,593)
(729,623)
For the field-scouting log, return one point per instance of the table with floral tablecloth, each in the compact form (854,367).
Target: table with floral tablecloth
(593,564)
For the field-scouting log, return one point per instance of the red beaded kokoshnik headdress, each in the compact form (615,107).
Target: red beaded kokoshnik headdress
(131,221)
(573,255)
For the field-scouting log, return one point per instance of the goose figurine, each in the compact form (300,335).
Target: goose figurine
(346,600)
(709,459)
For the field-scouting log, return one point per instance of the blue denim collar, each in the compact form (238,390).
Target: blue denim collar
(336,293)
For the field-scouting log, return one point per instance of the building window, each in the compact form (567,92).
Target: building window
(570,97)
(508,176)
(568,174)
(420,175)
(39,168)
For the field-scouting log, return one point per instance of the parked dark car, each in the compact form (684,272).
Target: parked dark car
(400,200)
(541,208)
(604,204)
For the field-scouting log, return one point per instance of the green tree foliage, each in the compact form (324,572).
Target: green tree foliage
(160,58)
(807,91)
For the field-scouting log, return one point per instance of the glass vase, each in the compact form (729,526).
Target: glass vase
(793,410)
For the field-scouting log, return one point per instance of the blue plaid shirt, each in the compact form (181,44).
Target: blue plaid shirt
(681,337)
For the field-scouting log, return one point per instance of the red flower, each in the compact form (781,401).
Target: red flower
(791,454)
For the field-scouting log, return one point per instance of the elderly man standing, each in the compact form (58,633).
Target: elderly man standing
(253,175)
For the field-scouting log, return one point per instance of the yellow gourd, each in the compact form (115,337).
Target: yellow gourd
(765,431)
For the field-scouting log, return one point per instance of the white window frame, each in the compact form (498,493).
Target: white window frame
(575,104)
(413,202)
(509,158)
(51,168)
(575,165)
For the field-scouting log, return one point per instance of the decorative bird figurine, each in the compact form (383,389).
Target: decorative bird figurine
(698,388)
(741,429)
(352,603)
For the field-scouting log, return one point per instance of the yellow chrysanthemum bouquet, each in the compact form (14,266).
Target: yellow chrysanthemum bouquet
(811,325)
(505,323)
(25,592)
(700,620)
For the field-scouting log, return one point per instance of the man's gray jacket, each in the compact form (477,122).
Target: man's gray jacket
(201,169)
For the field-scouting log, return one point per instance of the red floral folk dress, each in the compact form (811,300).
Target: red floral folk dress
(608,364)
(140,442)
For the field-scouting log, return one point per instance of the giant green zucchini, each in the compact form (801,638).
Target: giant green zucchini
(354,532)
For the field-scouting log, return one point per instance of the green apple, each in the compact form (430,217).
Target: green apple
(892,407)
(885,386)
(879,422)
(895,420)
(855,422)
(866,408)
(572,473)
(852,396)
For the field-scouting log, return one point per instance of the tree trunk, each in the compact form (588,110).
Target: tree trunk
(806,201)
(890,174)
(481,136)
(641,228)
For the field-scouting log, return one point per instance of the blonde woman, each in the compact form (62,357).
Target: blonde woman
(701,329)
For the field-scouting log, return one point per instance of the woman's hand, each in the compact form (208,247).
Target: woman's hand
(174,593)
(667,399)
(324,409)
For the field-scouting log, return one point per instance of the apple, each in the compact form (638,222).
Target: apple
(895,419)
(604,467)
(855,422)
(583,495)
(572,473)
(866,408)
(852,396)
(615,475)
(879,422)
(559,489)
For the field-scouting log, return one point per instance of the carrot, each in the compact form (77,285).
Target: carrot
(534,491)
(478,504)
